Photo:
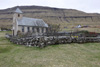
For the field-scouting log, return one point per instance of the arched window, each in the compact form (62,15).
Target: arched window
(22,28)
(38,30)
(42,30)
(18,15)
(28,29)
(32,29)
(46,30)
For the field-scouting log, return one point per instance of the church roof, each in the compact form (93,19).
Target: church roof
(18,11)
(25,21)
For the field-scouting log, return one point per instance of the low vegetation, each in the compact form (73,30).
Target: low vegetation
(63,55)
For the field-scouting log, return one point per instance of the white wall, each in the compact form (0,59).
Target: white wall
(35,30)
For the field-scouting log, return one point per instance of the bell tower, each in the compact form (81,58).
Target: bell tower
(17,16)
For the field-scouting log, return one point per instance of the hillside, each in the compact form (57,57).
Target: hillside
(50,15)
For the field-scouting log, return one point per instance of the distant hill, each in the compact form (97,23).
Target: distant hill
(50,15)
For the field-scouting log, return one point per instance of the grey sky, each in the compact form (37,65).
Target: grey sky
(83,5)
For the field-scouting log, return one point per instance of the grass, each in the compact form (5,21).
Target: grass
(64,55)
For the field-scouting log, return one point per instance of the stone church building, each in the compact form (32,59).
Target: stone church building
(26,24)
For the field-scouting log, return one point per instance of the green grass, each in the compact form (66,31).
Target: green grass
(64,55)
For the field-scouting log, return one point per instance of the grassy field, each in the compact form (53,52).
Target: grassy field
(64,55)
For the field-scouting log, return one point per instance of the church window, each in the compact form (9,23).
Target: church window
(38,30)
(28,29)
(42,30)
(32,29)
(23,29)
(46,30)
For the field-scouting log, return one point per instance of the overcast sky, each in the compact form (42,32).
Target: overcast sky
(83,5)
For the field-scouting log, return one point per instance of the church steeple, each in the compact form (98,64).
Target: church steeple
(18,14)
(18,11)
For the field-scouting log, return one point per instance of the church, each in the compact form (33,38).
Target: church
(26,24)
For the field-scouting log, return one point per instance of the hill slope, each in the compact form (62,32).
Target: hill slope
(50,15)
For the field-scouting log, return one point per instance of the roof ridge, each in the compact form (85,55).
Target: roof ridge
(33,18)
